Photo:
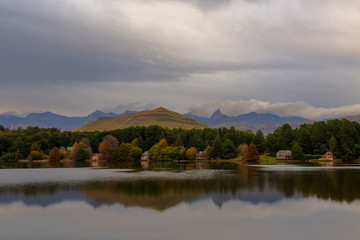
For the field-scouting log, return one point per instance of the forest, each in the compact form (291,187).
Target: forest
(341,137)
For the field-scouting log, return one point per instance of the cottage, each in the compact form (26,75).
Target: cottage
(200,156)
(145,156)
(283,155)
(328,156)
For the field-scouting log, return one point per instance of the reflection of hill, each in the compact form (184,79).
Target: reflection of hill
(160,203)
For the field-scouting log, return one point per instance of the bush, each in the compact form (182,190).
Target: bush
(36,155)
(8,157)
(170,153)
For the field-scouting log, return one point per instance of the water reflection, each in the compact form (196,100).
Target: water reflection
(161,190)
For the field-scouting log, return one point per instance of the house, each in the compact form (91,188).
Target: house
(328,156)
(200,156)
(283,155)
(145,156)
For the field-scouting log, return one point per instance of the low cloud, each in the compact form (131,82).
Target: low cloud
(284,109)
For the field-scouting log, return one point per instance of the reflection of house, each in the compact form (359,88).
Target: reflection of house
(95,157)
(200,156)
(328,156)
(283,155)
(145,156)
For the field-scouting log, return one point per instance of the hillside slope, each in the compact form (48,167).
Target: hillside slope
(159,116)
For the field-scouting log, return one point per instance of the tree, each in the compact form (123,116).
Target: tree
(124,150)
(135,153)
(297,152)
(229,150)
(252,153)
(259,141)
(54,155)
(36,146)
(163,143)
(208,152)
(108,148)
(113,142)
(154,152)
(74,151)
(35,155)
(82,154)
(179,141)
(170,153)
(333,146)
(217,147)
(191,152)
(243,149)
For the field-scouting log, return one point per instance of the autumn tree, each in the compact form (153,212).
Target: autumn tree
(54,155)
(191,152)
(114,143)
(243,149)
(108,148)
(252,153)
(74,151)
(163,143)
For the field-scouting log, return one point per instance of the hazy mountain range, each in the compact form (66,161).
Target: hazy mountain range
(252,121)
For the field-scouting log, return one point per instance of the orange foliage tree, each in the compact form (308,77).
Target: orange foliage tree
(191,152)
(252,153)
(74,151)
(54,155)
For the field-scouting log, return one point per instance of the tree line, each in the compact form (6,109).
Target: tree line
(341,137)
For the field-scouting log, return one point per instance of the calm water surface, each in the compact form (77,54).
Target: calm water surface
(192,201)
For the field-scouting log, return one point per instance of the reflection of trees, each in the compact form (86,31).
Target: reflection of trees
(161,193)
(336,185)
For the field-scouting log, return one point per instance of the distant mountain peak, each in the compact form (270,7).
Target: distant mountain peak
(217,114)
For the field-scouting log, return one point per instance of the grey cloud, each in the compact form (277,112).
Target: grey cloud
(275,50)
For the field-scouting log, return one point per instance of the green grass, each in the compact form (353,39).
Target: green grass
(267,160)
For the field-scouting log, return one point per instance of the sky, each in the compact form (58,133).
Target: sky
(287,57)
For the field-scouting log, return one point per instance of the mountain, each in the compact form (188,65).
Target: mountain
(49,120)
(252,121)
(159,116)
(353,118)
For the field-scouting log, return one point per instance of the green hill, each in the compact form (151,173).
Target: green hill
(159,116)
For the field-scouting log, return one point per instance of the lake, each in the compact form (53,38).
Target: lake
(206,200)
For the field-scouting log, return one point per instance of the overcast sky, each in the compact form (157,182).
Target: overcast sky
(288,57)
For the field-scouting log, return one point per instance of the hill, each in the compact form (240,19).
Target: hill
(159,116)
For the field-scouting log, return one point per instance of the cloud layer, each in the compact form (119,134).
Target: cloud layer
(177,53)
(284,109)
